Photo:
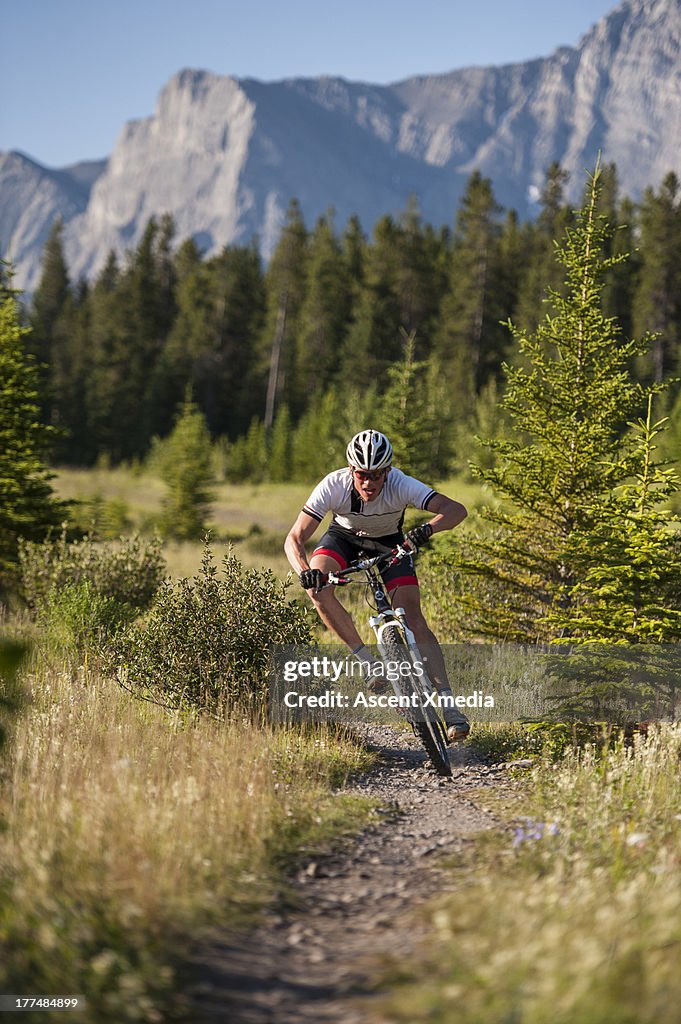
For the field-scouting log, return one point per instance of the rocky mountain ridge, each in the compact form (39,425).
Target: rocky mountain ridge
(226,155)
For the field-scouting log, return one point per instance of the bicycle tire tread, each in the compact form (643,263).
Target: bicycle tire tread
(437,751)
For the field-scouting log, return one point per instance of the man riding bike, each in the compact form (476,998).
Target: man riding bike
(367,501)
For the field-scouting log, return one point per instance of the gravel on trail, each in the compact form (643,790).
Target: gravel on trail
(353,911)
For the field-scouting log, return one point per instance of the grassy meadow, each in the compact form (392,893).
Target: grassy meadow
(128,831)
(255,518)
(572,914)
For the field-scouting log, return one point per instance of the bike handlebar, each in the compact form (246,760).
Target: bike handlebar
(391,555)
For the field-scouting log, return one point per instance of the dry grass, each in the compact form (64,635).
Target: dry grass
(575,914)
(129,829)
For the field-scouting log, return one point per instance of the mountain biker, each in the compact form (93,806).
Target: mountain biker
(367,501)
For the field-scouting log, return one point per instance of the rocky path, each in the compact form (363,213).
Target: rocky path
(355,910)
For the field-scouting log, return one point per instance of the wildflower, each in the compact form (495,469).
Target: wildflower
(637,838)
(533,830)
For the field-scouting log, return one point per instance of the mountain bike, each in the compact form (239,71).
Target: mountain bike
(397,645)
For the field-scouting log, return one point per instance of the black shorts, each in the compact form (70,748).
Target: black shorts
(347,547)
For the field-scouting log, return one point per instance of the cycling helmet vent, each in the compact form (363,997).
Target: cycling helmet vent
(370,449)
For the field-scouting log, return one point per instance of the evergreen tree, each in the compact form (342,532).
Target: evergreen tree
(70,372)
(185,464)
(354,245)
(471,341)
(279,463)
(629,565)
(109,339)
(657,302)
(325,311)
(131,313)
(317,441)
(407,417)
(542,278)
(145,290)
(285,283)
(322,435)
(569,401)
(403,281)
(49,305)
(28,507)
(420,276)
(373,342)
(212,343)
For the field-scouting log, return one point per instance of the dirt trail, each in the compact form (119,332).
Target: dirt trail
(317,962)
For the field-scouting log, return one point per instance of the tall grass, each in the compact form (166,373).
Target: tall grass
(575,914)
(127,831)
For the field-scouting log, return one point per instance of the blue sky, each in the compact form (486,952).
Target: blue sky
(74,71)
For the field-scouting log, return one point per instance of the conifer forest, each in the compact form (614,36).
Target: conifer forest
(408,325)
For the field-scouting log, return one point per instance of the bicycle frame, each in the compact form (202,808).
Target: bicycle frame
(386,614)
(431,727)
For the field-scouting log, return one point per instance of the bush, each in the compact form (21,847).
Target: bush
(76,619)
(128,572)
(207,640)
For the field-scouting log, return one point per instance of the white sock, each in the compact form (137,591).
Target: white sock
(369,664)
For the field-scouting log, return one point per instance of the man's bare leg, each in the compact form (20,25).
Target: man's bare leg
(332,613)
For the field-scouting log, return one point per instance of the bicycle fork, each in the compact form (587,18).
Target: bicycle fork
(394,617)
(397,617)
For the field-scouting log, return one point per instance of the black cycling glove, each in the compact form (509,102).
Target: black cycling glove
(312,579)
(419,536)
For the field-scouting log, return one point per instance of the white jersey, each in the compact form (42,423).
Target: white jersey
(378,518)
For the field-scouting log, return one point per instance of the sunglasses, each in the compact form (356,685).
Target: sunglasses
(377,474)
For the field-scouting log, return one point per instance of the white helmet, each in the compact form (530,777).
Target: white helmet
(369,450)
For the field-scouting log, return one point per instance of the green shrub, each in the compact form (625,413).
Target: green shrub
(207,640)
(128,572)
(76,619)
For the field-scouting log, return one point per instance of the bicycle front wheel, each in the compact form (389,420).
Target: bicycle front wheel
(425,722)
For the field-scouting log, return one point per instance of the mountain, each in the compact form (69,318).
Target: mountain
(31,199)
(225,155)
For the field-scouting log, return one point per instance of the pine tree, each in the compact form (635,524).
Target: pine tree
(325,311)
(629,565)
(321,437)
(109,340)
(186,467)
(407,417)
(285,284)
(542,277)
(570,402)
(28,507)
(402,284)
(70,371)
(420,275)
(373,341)
(619,282)
(48,311)
(212,343)
(657,302)
(471,341)
(279,462)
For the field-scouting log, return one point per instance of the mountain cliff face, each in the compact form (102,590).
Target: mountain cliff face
(225,156)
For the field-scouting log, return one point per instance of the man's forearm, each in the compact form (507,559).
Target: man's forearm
(294,548)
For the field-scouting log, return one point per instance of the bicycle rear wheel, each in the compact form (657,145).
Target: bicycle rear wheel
(426,722)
